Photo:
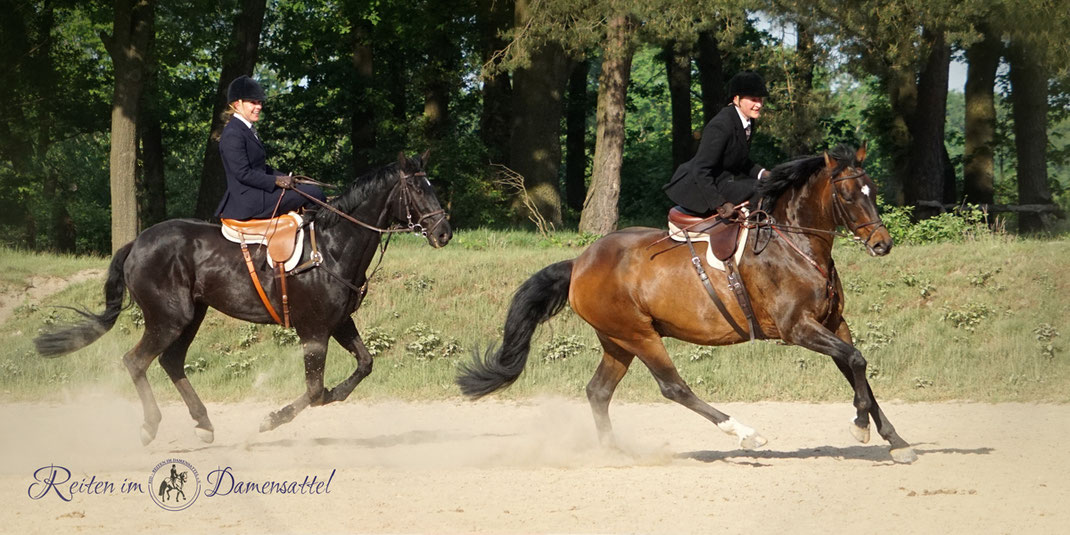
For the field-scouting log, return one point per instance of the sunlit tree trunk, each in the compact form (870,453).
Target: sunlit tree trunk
(127,45)
(978,154)
(600,211)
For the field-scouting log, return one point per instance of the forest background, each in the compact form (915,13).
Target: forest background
(111,110)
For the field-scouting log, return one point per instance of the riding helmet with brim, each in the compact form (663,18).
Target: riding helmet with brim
(245,88)
(747,84)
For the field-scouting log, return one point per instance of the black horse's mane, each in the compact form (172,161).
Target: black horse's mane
(357,192)
(797,172)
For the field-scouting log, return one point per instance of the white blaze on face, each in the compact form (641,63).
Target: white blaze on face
(865,190)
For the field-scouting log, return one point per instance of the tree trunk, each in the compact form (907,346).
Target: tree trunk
(711,76)
(926,181)
(903,99)
(152,186)
(535,135)
(1029,100)
(239,59)
(133,24)
(438,76)
(678,71)
(576,136)
(600,209)
(494,120)
(362,118)
(978,173)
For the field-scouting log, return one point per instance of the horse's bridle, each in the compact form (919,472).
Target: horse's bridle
(841,210)
(404,186)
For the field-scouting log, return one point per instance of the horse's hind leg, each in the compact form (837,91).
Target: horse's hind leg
(347,335)
(315,349)
(615,362)
(137,361)
(173,361)
(652,352)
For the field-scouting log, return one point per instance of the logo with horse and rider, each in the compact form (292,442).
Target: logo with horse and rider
(174,484)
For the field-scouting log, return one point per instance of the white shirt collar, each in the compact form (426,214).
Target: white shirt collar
(244,120)
(743,118)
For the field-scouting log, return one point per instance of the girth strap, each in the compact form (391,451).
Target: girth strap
(735,282)
(697,262)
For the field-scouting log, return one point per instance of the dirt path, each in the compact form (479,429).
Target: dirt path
(38,288)
(535,467)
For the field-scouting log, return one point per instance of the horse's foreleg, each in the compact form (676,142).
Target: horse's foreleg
(173,362)
(812,335)
(315,359)
(349,338)
(652,352)
(615,362)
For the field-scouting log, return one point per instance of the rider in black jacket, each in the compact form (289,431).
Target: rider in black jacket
(721,175)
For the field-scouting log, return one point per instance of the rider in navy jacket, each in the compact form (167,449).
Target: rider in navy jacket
(722,174)
(253,187)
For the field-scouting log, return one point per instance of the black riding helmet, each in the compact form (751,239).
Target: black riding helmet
(747,84)
(245,88)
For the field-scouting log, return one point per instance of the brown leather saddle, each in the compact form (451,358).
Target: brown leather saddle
(723,234)
(723,237)
(279,234)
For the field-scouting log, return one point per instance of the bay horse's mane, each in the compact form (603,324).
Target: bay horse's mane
(356,193)
(798,172)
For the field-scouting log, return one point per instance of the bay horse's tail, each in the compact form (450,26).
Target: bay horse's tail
(537,300)
(75,337)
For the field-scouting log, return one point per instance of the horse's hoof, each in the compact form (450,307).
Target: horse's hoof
(752,441)
(206,435)
(904,455)
(147,435)
(269,423)
(861,434)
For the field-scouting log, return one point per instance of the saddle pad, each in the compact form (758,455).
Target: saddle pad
(289,264)
(678,235)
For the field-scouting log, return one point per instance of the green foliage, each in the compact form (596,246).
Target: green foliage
(566,347)
(960,225)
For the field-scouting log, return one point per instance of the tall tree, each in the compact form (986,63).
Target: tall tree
(978,175)
(496,16)
(600,210)
(576,136)
(127,45)
(239,58)
(538,104)
(926,180)
(362,118)
(711,75)
(678,71)
(1029,99)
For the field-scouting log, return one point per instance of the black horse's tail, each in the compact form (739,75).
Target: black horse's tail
(75,337)
(536,301)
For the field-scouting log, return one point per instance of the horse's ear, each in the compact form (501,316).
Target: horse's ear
(829,162)
(423,158)
(403,162)
(860,155)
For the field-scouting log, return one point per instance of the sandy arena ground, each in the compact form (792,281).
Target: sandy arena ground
(536,467)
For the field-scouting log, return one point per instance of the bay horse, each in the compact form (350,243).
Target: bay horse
(177,269)
(634,287)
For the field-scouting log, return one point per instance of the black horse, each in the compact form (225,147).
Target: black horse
(177,269)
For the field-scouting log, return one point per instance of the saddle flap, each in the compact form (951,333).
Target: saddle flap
(280,234)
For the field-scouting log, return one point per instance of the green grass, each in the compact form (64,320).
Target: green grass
(984,320)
